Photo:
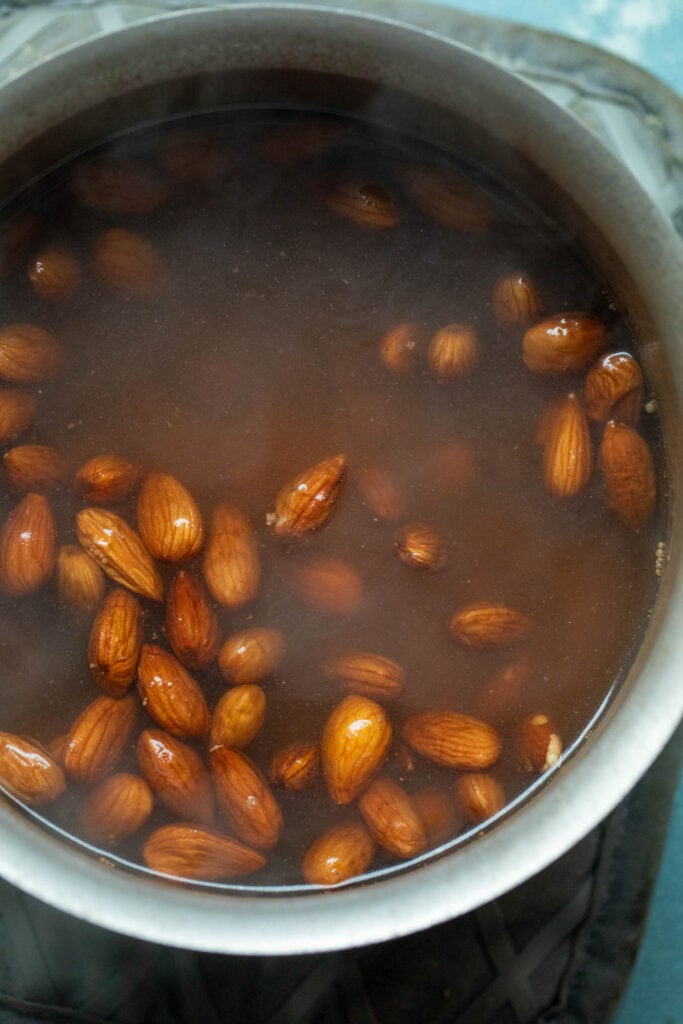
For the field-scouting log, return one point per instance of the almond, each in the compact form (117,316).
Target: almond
(452,739)
(565,343)
(420,546)
(341,853)
(28,354)
(398,348)
(17,409)
(98,737)
(450,466)
(119,186)
(489,625)
(629,474)
(371,675)
(28,771)
(169,521)
(110,542)
(16,238)
(295,766)
(479,797)
(448,197)
(115,641)
(355,742)
(503,692)
(245,798)
(117,808)
(177,775)
(438,812)
(294,143)
(328,585)
(191,624)
(251,655)
(392,819)
(127,262)
(34,467)
(568,455)
(306,502)
(106,479)
(196,157)
(55,274)
(453,351)
(363,203)
(546,420)
(238,716)
(614,389)
(170,694)
(27,546)
(515,300)
(201,854)
(232,567)
(540,743)
(382,493)
(79,579)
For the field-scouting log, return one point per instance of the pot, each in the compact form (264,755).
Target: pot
(402,77)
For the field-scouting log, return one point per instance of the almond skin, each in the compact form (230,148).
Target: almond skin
(245,798)
(17,410)
(28,771)
(119,186)
(79,579)
(355,743)
(106,479)
(129,263)
(488,625)
(110,542)
(439,814)
(115,641)
(191,623)
(398,348)
(382,493)
(232,568)
(169,521)
(480,796)
(238,716)
(392,819)
(566,343)
(452,739)
(341,853)
(515,300)
(202,854)
(170,694)
(177,775)
(97,737)
(28,354)
(251,655)
(55,274)
(295,766)
(420,546)
(117,808)
(453,351)
(328,585)
(614,389)
(34,467)
(27,546)
(371,675)
(306,502)
(448,197)
(629,474)
(539,742)
(568,455)
(363,203)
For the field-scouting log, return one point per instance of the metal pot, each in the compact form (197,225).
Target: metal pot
(403,77)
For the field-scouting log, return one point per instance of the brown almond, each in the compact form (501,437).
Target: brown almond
(420,546)
(488,625)
(119,186)
(191,623)
(17,409)
(28,771)
(328,585)
(27,546)
(382,493)
(238,716)
(565,343)
(398,348)
(355,743)
(55,274)
(363,203)
(170,694)
(452,739)
(448,197)
(28,354)
(115,641)
(79,580)
(177,775)
(438,812)
(251,655)
(503,692)
(451,466)
(34,467)
(568,455)
(98,737)
(245,798)
(540,743)
(453,351)
(295,143)
(232,568)
(196,157)
(117,808)
(306,502)
(341,853)
(480,796)
(169,521)
(371,675)
(515,300)
(127,262)
(629,474)
(392,819)
(110,542)
(106,479)
(295,766)
(201,854)
(614,389)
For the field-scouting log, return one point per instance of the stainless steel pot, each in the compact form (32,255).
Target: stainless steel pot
(416,80)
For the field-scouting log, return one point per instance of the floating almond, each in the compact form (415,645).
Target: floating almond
(453,351)
(119,186)
(329,585)
(363,203)
(438,812)
(540,743)
(420,546)
(115,641)
(129,263)
(515,300)
(303,140)
(306,502)
(568,455)
(382,493)
(34,467)
(398,347)
(480,796)
(238,716)
(245,798)
(177,775)
(371,675)
(27,546)
(448,197)
(28,771)
(452,739)
(169,521)
(28,354)
(117,808)
(79,579)
(629,474)
(355,743)
(295,766)
(170,694)
(566,343)
(110,542)
(106,479)
(17,409)
(55,274)
(251,655)
(614,389)
(98,737)
(341,853)
(201,854)
(392,819)
(232,567)
(191,624)
(489,625)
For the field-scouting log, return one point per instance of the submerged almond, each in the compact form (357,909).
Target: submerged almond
(110,542)
(382,493)
(295,766)
(489,625)
(28,771)
(201,854)
(452,739)
(129,263)
(97,738)
(328,585)
(566,343)
(106,479)
(251,655)
(34,467)
(364,203)
(55,274)
(118,185)
(27,546)
(339,854)
(371,675)
(355,743)
(170,694)
(480,796)
(448,197)
(453,351)
(191,623)
(177,775)
(17,409)
(515,300)
(306,502)
(614,389)
(115,641)
(568,453)
(169,521)
(398,348)
(392,819)
(245,798)
(238,716)
(118,807)
(232,567)
(629,474)
(421,546)
(28,354)
(79,579)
